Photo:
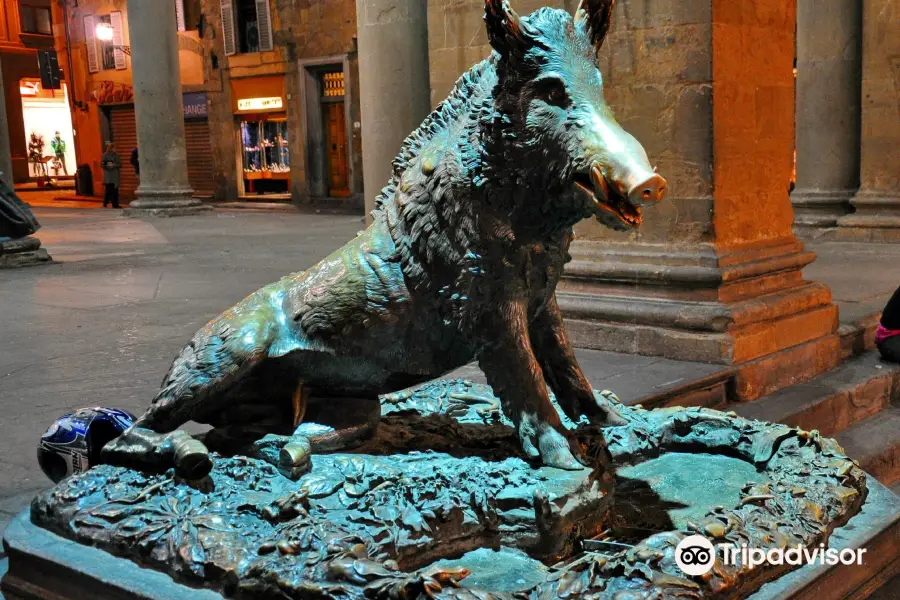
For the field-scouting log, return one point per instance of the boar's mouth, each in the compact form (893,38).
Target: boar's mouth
(606,199)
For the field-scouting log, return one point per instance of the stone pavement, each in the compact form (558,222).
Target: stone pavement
(102,325)
(861,276)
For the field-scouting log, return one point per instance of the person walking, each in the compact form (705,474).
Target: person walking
(112,168)
(887,336)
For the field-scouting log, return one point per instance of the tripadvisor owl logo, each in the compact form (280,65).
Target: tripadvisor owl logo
(696,555)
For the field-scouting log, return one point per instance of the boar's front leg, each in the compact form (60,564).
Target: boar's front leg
(513,372)
(561,370)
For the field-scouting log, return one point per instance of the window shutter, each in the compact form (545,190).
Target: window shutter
(264,23)
(115,19)
(179,15)
(228,33)
(90,42)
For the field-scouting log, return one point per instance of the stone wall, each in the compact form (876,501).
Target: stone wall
(881,96)
(221,122)
(302,29)
(671,119)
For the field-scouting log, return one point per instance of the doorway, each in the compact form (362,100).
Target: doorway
(326,126)
(335,120)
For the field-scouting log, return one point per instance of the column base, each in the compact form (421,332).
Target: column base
(22,252)
(877,219)
(165,204)
(816,212)
(749,308)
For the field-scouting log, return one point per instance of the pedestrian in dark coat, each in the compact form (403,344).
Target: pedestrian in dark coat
(136,162)
(112,168)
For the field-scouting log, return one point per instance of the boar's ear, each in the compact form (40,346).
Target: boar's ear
(596,17)
(504,28)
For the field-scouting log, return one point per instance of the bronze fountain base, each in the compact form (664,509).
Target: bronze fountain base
(439,504)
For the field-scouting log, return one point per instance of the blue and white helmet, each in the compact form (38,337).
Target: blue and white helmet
(73,442)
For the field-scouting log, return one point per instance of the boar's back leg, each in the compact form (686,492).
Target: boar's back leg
(198,383)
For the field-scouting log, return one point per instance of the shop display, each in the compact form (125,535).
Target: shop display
(265,151)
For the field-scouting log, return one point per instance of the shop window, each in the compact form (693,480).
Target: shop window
(246,26)
(50,141)
(35,19)
(266,157)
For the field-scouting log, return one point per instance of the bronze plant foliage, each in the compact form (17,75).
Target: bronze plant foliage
(373,524)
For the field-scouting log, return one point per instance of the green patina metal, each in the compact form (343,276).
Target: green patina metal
(461,263)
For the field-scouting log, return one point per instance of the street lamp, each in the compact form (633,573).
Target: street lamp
(104,33)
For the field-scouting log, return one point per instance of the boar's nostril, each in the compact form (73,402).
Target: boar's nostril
(648,192)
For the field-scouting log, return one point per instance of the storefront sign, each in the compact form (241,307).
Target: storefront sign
(260,103)
(195,105)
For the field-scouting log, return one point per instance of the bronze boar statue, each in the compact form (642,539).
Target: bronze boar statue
(461,262)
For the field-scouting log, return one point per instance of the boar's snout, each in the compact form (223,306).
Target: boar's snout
(648,192)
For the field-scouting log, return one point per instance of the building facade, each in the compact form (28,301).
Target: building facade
(285,119)
(26,27)
(94,46)
(270,95)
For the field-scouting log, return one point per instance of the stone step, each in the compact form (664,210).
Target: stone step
(856,390)
(875,443)
(857,329)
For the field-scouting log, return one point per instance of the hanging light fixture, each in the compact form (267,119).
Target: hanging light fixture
(105,33)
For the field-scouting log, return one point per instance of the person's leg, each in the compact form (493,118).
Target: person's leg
(890,349)
(115,196)
(107,194)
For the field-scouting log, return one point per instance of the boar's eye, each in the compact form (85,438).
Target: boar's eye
(552,90)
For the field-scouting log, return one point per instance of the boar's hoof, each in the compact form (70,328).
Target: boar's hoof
(192,460)
(605,409)
(294,460)
(544,441)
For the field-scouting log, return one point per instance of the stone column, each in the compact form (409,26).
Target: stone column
(393,81)
(5,153)
(877,216)
(164,189)
(715,273)
(829,55)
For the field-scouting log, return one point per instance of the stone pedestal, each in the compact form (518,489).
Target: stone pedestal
(441,503)
(22,252)
(393,81)
(164,189)
(829,50)
(715,273)
(877,216)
